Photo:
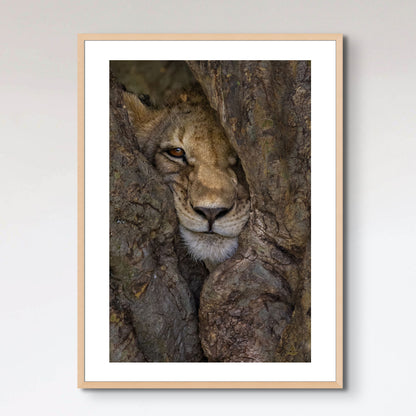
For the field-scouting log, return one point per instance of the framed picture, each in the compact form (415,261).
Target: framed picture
(210,211)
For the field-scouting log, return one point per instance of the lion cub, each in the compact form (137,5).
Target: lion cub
(189,148)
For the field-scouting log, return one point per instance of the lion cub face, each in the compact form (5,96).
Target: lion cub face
(190,150)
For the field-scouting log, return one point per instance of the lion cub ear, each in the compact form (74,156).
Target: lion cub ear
(139,114)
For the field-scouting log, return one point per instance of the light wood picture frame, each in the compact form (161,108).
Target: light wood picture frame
(324,367)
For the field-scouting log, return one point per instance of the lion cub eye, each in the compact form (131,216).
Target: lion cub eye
(176,152)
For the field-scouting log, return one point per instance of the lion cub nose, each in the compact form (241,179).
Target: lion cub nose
(211,214)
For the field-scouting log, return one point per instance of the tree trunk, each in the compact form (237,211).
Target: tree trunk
(256,306)
(153,315)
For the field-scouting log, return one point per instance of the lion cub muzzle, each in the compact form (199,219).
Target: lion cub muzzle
(212,193)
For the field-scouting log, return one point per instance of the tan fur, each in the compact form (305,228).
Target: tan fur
(205,181)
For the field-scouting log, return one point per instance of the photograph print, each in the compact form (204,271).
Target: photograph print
(210,211)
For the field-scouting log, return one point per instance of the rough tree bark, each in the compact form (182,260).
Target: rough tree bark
(153,315)
(256,306)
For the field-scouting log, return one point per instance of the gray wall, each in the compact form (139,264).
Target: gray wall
(38,209)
